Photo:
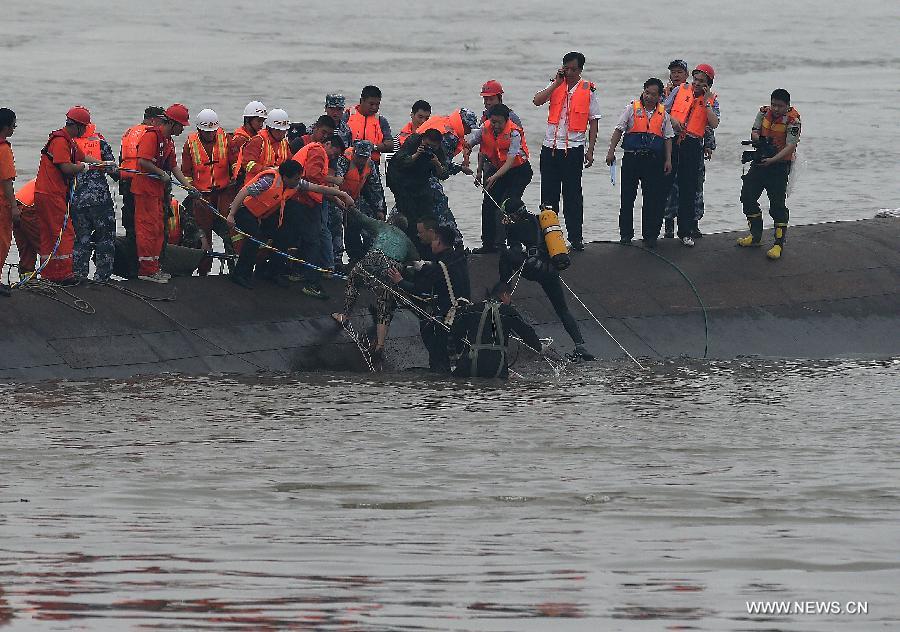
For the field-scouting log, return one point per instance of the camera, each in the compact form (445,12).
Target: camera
(428,152)
(762,148)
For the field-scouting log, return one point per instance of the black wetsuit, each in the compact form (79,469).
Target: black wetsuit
(526,243)
(481,341)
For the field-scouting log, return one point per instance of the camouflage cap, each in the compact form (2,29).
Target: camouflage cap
(363,148)
(335,101)
(468,117)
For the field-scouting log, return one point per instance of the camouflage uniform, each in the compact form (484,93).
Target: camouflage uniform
(94,221)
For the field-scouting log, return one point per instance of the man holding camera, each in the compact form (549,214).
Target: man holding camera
(775,134)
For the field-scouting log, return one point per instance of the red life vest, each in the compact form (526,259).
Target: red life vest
(310,198)
(50,178)
(128,152)
(25,196)
(173,224)
(270,200)
(496,147)
(354,179)
(690,111)
(776,129)
(579,105)
(89,144)
(366,128)
(209,172)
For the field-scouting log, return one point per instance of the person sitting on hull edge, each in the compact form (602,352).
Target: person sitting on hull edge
(527,250)
(480,335)
(778,127)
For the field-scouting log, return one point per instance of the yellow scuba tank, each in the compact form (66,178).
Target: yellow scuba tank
(553,237)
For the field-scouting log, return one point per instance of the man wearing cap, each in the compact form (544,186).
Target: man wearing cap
(572,120)
(693,109)
(157,158)
(357,171)
(678,73)
(335,104)
(153,115)
(204,159)
(61,162)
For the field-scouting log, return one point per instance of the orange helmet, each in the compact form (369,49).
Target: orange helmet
(178,113)
(491,88)
(79,114)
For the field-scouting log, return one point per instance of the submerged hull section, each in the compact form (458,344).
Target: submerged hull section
(835,293)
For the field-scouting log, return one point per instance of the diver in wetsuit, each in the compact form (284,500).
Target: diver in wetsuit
(528,250)
(480,335)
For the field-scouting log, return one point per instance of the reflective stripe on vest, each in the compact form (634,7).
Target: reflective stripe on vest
(646,133)
(776,129)
(354,180)
(128,153)
(690,111)
(173,223)
(366,128)
(273,152)
(496,148)
(270,200)
(209,173)
(578,105)
(310,198)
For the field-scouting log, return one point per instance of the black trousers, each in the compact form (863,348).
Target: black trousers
(356,242)
(308,237)
(645,169)
(511,185)
(283,237)
(435,339)
(561,170)
(773,180)
(686,159)
(130,245)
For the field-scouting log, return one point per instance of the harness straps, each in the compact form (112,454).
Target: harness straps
(497,338)
(454,302)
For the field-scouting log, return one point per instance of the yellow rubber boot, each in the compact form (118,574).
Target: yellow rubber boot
(748,242)
(755,236)
(775,251)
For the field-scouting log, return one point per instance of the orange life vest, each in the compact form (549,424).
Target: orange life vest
(173,223)
(311,198)
(405,133)
(270,200)
(209,173)
(579,105)
(354,179)
(690,111)
(128,153)
(646,133)
(496,147)
(272,155)
(451,123)
(50,177)
(89,144)
(366,128)
(776,129)
(240,136)
(25,196)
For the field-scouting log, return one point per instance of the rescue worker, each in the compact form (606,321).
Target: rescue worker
(315,235)
(9,209)
(204,159)
(504,155)
(391,250)
(572,119)
(269,148)
(492,94)
(260,210)
(320,131)
(678,72)
(153,116)
(693,108)
(446,280)
(27,231)
(479,337)
(365,123)
(527,251)
(420,112)
(61,161)
(335,104)
(779,123)
(157,159)
(357,171)
(93,213)
(409,172)
(647,160)
(255,114)
(181,225)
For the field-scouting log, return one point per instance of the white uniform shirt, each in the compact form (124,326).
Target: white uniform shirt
(557,133)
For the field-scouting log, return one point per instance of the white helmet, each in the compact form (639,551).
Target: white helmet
(207,121)
(255,108)
(278,119)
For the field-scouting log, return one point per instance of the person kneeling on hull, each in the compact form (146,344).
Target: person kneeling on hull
(529,252)
(480,335)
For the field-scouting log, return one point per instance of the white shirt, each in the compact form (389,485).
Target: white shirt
(626,121)
(557,133)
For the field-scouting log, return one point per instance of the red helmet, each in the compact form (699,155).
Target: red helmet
(707,70)
(178,113)
(491,89)
(79,114)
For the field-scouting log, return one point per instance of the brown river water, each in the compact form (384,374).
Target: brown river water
(607,498)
